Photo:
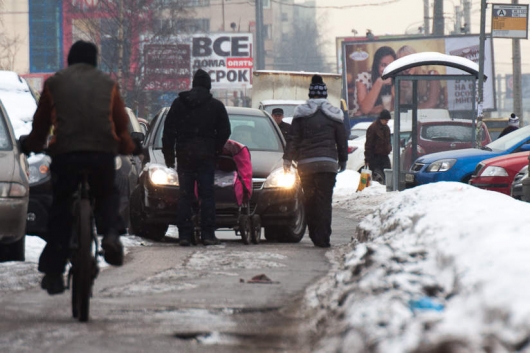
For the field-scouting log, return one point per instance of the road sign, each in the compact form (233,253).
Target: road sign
(509,21)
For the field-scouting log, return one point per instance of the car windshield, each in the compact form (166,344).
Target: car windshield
(448,132)
(357,133)
(513,138)
(5,141)
(255,132)
(288,109)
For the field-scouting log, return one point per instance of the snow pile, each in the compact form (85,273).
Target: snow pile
(459,250)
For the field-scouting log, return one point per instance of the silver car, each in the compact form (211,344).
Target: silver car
(14,193)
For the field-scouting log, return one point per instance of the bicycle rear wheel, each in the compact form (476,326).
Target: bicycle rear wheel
(82,264)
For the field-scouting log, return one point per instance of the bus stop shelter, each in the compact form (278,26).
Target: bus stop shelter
(466,75)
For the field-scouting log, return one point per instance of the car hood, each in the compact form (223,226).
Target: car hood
(506,160)
(457,154)
(263,162)
(7,160)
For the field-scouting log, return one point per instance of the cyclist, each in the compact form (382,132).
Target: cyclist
(87,113)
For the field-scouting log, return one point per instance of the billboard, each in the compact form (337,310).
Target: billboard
(359,59)
(227,57)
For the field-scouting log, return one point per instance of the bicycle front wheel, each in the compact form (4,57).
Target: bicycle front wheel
(82,264)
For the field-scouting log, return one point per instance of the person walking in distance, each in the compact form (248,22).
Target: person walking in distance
(378,146)
(89,121)
(513,124)
(318,144)
(195,130)
(277,115)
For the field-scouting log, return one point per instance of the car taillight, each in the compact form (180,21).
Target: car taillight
(420,150)
(351,149)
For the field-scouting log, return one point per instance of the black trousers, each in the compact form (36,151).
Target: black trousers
(65,179)
(318,197)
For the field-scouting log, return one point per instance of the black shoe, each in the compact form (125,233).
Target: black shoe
(113,249)
(53,283)
(211,241)
(184,242)
(322,245)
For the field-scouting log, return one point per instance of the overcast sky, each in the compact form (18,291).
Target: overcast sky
(339,17)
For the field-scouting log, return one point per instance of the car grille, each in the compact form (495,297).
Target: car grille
(416,167)
(257,184)
(478,169)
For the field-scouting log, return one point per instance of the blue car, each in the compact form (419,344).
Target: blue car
(459,165)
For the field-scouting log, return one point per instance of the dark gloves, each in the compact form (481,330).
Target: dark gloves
(138,148)
(342,166)
(21,144)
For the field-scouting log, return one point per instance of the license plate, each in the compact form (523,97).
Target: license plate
(409,178)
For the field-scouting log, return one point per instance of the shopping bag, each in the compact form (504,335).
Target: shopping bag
(366,179)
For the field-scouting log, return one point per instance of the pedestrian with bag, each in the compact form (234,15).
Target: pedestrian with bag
(87,113)
(195,131)
(378,146)
(319,146)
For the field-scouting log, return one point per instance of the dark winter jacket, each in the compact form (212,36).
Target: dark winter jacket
(196,128)
(507,130)
(284,128)
(85,109)
(317,138)
(377,141)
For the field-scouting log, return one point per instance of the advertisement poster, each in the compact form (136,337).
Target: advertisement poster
(363,60)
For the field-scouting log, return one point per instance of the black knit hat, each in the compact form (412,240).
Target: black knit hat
(83,52)
(202,79)
(385,115)
(317,88)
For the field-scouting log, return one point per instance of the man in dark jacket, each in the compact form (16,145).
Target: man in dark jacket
(513,124)
(318,143)
(277,115)
(378,146)
(87,113)
(196,128)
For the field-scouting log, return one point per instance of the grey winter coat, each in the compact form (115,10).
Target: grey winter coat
(317,138)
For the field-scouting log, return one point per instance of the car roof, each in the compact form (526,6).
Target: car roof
(245,111)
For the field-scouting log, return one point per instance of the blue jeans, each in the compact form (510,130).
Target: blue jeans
(203,175)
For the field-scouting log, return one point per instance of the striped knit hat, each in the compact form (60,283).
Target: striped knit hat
(317,88)
(513,120)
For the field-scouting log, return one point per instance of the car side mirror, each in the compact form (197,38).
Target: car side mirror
(525,147)
(138,136)
(20,141)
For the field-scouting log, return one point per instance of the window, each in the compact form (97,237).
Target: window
(45,34)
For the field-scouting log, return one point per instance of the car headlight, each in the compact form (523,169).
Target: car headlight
(161,175)
(442,165)
(39,167)
(12,190)
(494,171)
(280,179)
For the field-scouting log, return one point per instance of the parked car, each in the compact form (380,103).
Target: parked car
(127,171)
(498,173)
(459,165)
(14,193)
(517,187)
(154,201)
(443,135)
(359,129)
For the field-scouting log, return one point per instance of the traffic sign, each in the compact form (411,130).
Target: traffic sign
(509,21)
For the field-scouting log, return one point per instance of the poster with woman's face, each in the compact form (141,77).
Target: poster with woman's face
(363,63)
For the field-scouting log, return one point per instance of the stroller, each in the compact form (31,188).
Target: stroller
(233,193)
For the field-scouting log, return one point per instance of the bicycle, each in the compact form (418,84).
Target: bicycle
(83,252)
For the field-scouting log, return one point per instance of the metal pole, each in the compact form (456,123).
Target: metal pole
(426,29)
(517,79)
(223,8)
(259,36)
(482,40)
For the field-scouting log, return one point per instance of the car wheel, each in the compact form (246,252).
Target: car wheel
(294,232)
(14,251)
(138,226)
(255,226)
(245,229)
